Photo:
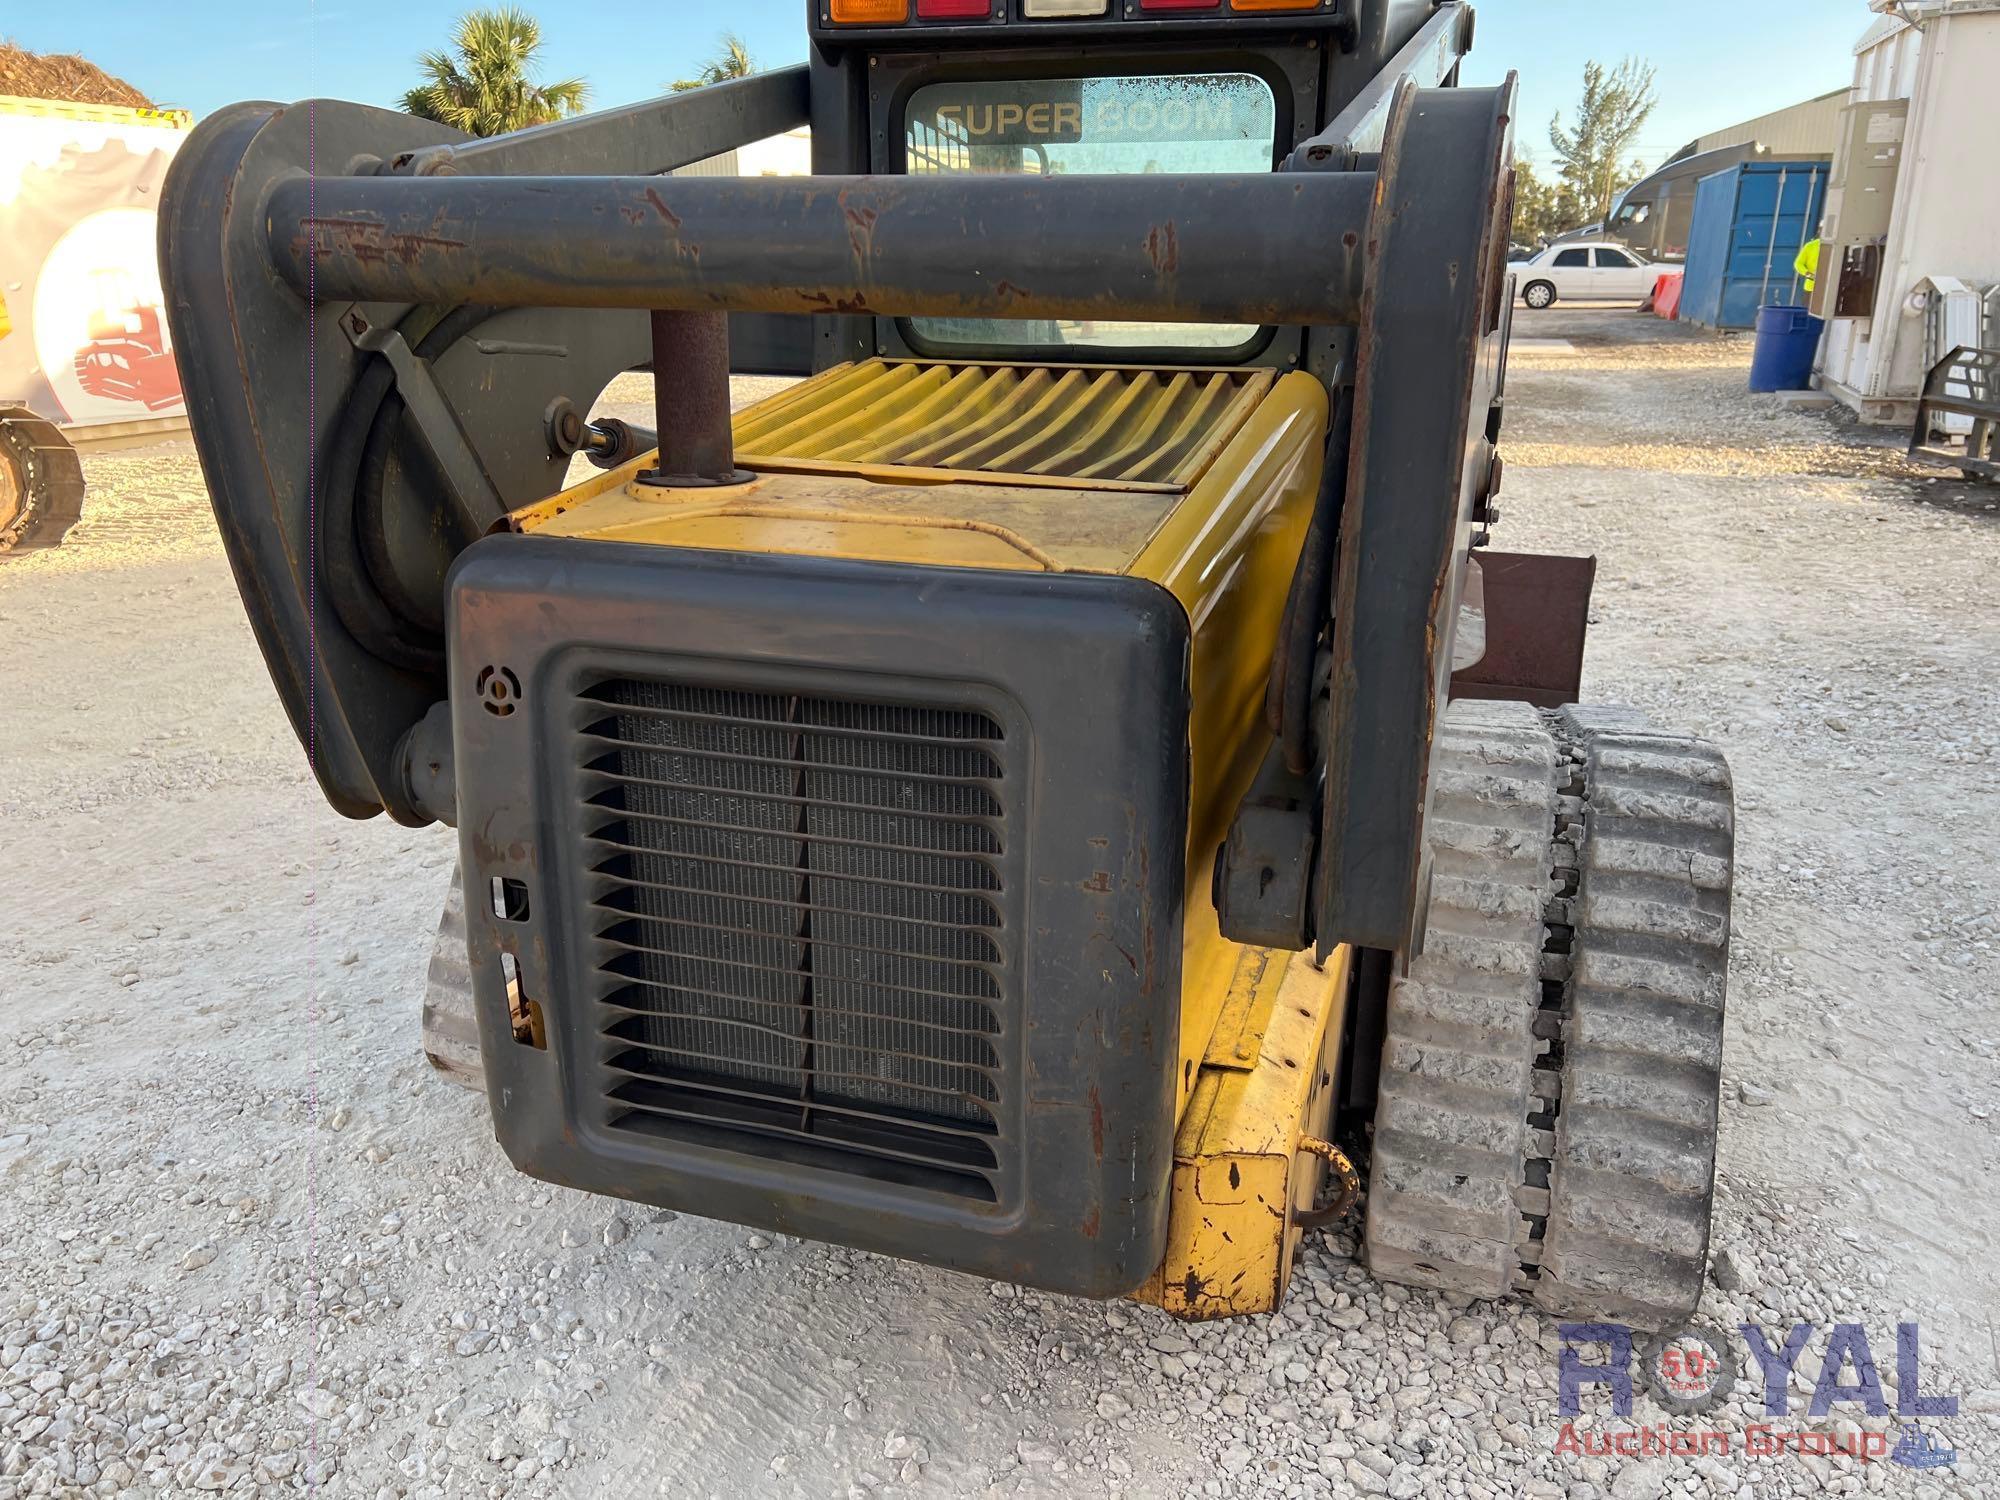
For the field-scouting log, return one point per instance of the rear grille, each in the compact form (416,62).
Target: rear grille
(799,911)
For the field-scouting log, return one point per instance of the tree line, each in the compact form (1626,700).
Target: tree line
(1593,160)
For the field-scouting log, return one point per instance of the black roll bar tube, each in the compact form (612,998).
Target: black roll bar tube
(1280,248)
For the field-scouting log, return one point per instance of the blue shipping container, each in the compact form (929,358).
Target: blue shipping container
(1749,222)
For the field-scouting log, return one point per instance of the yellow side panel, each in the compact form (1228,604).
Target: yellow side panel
(1228,554)
(1240,1177)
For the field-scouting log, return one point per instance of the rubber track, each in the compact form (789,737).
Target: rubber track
(451,1027)
(1546,1123)
(1445,1192)
(1633,1170)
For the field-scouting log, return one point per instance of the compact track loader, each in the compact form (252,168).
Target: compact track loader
(1066,791)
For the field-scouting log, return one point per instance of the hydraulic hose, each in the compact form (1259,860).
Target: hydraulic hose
(343,571)
(356,569)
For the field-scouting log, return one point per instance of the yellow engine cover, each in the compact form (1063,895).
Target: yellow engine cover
(1202,481)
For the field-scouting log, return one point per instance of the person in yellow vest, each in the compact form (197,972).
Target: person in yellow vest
(1807,264)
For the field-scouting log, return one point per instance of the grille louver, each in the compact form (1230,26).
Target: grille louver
(1129,426)
(799,909)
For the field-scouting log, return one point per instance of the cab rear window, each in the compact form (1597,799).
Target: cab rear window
(1173,123)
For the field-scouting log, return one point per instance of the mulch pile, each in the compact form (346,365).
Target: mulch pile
(65,76)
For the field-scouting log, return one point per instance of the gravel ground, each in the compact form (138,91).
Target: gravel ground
(249,1242)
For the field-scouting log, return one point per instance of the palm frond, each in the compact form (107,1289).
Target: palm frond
(732,60)
(483,86)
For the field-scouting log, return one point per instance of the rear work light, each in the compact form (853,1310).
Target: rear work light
(862,12)
(954,10)
(1035,10)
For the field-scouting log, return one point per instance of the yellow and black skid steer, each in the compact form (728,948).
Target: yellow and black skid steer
(1065,790)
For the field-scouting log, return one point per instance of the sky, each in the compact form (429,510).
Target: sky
(1718,61)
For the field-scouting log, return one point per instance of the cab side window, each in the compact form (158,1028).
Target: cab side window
(1572,257)
(1609,259)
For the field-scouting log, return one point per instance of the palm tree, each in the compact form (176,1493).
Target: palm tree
(732,60)
(484,89)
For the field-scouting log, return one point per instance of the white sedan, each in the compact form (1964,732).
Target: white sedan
(1586,271)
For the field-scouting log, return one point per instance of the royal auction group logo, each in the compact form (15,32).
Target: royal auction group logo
(1692,1369)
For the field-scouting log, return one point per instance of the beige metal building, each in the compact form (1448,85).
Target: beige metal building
(1806,129)
(787,155)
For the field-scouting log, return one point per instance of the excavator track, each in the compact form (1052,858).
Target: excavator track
(1550,1072)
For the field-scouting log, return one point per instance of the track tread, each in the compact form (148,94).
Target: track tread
(1633,1172)
(1458,1063)
(1547,1113)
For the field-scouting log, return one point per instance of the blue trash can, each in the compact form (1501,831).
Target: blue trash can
(1786,339)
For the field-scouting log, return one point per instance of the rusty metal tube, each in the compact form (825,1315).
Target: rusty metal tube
(691,400)
(1171,249)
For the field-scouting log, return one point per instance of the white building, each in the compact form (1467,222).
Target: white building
(787,155)
(1915,197)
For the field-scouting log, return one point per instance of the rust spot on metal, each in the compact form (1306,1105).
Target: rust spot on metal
(825,303)
(1193,1287)
(1088,1228)
(367,241)
(672,219)
(1147,971)
(860,229)
(1163,248)
(1235,1177)
(1096,1125)
(1098,884)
